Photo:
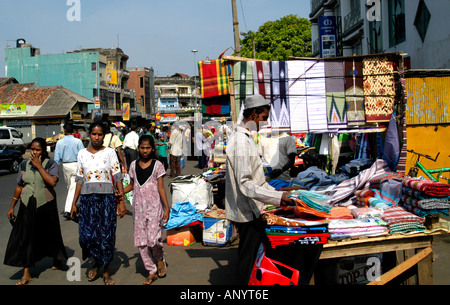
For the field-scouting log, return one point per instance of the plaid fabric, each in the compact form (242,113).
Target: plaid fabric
(400,214)
(426,204)
(424,213)
(346,189)
(214,78)
(376,181)
(407,228)
(437,189)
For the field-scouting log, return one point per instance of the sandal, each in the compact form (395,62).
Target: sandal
(24,281)
(150,279)
(162,269)
(92,274)
(108,280)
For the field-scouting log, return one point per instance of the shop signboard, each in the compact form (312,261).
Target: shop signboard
(327,34)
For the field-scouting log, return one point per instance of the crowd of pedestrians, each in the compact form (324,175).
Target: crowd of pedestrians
(95,197)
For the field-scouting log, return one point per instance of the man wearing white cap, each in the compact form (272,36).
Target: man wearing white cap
(246,190)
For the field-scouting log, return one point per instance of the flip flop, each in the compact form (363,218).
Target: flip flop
(163,269)
(92,274)
(24,281)
(150,279)
(108,280)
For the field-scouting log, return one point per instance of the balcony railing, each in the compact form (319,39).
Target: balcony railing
(352,18)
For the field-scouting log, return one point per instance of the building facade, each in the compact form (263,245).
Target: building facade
(98,74)
(141,81)
(415,27)
(177,97)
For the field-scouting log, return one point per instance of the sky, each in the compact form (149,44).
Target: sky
(153,33)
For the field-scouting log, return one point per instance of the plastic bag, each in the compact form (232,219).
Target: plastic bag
(129,195)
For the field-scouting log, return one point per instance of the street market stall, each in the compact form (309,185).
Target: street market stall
(361,203)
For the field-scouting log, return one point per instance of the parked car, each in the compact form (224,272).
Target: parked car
(12,138)
(10,159)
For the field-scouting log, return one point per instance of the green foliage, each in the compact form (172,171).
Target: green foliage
(279,40)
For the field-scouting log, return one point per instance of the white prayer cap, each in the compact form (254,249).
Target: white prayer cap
(255,101)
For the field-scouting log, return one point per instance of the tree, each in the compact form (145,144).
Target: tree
(279,40)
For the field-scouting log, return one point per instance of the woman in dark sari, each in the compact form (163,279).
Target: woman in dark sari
(36,230)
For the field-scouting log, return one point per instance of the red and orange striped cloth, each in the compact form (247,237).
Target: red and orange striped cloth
(214,78)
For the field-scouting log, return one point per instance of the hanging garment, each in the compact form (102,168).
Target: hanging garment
(216,105)
(379,89)
(214,78)
(243,80)
(391,145)
(261,78)
(316,95)
(279,112)
(335,90)
(297,96)
(354,94)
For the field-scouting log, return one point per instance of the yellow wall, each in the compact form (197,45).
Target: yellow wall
(429,140)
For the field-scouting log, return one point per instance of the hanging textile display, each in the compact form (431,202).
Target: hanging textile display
(261,78)
(214,78)
(243,82)
(279,111)
(379,89)
(316,95)
(354,94)
(216,105)
(297,96)
(335,88)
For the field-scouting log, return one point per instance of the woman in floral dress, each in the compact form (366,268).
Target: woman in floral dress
(150,208)
(98,174)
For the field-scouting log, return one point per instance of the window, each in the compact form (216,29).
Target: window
(93,66)
(4,134)
(397,32)
(15,134)
(375,36)
(141,79)
(422,19)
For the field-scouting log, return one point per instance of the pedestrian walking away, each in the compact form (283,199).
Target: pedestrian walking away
(66,152)
(130,144)
(176,151)
(150,209)
(36,230)
(98,176)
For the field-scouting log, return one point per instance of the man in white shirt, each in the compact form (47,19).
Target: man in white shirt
(130,145)
(246,190)
(176,150)
(66,153)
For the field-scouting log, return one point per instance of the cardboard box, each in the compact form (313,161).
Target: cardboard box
(218,231)
(184,236)
(354,270)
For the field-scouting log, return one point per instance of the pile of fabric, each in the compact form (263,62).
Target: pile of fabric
(425,197)
(357,227)
(307,235)
(399,220)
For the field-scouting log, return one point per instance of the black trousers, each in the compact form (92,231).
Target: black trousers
(251,235)
(130,156)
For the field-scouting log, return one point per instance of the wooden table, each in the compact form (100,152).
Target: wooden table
(420,243)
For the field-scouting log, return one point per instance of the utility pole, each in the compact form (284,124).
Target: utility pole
(237,43)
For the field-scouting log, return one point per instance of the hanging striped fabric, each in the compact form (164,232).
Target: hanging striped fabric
(214,78)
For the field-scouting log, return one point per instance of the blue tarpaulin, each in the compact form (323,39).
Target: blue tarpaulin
(182,214)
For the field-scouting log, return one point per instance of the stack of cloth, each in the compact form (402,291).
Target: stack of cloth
(425,197)
(357,227)
(308,235)
(288,229)
(399,220)
(312,203)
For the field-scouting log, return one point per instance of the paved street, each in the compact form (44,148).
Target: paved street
(192,265)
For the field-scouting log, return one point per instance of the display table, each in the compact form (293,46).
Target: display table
(420,243)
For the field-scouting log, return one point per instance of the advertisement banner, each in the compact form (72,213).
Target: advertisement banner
(13,109)
(327,35)
(126,111)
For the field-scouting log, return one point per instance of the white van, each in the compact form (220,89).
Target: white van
(12,138)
